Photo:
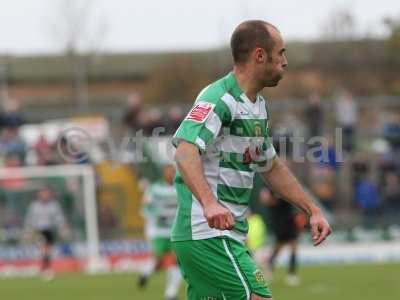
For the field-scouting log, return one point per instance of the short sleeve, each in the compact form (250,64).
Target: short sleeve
(269,151)
(202,124)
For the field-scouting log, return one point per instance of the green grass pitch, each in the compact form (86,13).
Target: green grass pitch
(350,282)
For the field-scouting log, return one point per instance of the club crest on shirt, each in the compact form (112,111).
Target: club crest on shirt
(259,277)
(200,111)
(257,129)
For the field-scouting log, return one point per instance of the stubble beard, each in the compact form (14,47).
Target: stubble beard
(273,82)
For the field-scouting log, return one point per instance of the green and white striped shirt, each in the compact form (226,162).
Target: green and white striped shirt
(159,209)
(232,135)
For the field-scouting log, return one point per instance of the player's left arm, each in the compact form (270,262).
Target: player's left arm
(283,182)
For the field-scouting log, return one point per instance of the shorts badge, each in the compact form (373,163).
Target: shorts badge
(259,277)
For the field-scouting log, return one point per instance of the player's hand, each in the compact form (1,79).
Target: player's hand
(218,216)
(320,228)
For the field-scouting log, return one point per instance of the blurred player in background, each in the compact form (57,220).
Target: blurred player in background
(159,210)
(45,219)
(282,224)
(221,143)
(257,238)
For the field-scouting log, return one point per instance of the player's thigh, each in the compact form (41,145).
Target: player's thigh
(218,268)
(208,270)
(254,277)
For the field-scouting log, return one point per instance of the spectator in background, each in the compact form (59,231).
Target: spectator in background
(12,160)
(12,144)
(289,127)
(314,115)
(175,117)
(326,155)
(323,173)
(323,186)
(391,194)
(367,200)
(156,120)
(133,107)
(359,167)
(149,120)
(346,118)
(44,152)
(144,122)
(11,116)
(388,162)
(391,131)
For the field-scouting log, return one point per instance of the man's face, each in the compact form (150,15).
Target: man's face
(44,194)
(271,65)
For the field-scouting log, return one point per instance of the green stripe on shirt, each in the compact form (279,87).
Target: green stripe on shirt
(233,194)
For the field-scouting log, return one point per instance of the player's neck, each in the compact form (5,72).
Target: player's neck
(246,83)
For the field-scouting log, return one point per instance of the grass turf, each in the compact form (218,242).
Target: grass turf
(351,282)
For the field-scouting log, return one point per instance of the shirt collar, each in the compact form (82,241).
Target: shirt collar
(233,86)
(237,92)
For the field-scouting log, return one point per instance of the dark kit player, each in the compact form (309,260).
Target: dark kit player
(45,218)
(282,224)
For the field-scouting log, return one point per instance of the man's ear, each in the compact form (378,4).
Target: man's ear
(260,55)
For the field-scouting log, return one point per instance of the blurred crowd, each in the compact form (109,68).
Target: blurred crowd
(12,146)
(14,150)
(338,167)
(17,192)
(343,172)
(138,117)
(334,165)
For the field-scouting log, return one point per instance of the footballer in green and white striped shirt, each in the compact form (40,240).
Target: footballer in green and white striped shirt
(221,144)
(159,211)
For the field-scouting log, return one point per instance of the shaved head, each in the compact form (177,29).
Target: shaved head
(248,36)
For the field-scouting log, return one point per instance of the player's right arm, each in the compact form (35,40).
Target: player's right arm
(196,132)
(190,166)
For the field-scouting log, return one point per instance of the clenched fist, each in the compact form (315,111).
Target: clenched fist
(218,216)
(320,228)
